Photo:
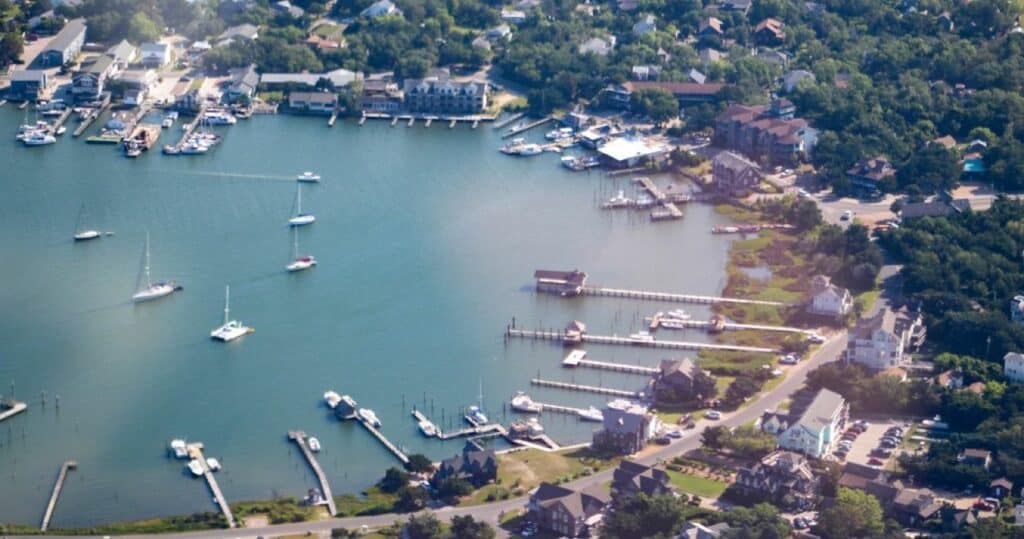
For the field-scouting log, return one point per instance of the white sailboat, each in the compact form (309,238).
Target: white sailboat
(232,329)
(300,219)
(300,263)
(308,177)
(153,290)
(84,234)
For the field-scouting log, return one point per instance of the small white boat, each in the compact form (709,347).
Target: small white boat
(530,149)
(618,201)
(166,123)
(523,403)
(213,464)
(332,399)
(591,414)
(673,323)
(87,235)
(368,416)
(196,467)
(153,290)
(61,130)
(300,219)
(179,448)
(678,314)
(232,329)
(308,177)
(193,148)
(217,117)
(477,415)
(558,134)
(38,138)
(300,262)
(314,445)
(642,336)
(427,428)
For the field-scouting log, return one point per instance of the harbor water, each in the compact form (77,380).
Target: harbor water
(427,240)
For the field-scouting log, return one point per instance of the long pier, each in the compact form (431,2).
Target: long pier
(91,117)
(299,437)
(509,120)
(188,128)
(576,359)
(195,451)
(527,127)
(573,339)
(11,408)
(398,453)
(657,322)
(57,488)
(581,387)
(675,298)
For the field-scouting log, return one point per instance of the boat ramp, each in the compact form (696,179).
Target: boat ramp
(589,389)
(195,451)
(576,359)
(10,408)
(57,488)
(299,437)
(570,338)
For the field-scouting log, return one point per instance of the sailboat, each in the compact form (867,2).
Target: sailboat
(476,412)
(300,219)
(301,262)
(87,234)
(232,329)
(153,290)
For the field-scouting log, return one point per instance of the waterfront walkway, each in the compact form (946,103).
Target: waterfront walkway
(299,437)
(657,319)
(671,297)
(573,338)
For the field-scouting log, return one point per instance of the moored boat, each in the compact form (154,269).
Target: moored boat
(522,402)
(591,414)
(314,445)
(332,399)
(196,467)
(232,329)
(308,177)
(369,417)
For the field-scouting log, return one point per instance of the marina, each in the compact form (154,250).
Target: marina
(568,338)
(51,506)
(301,440)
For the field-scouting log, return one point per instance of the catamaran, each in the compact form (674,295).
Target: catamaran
(300,219)
(86,234)
(301,262)
(232,329)
(153,290)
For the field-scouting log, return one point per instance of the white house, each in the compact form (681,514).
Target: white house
(1017,309)
(514,16)
(598,46)
(879,342)
(828,299)
(818,428)
(1013,366)
(380,8)
(155,54)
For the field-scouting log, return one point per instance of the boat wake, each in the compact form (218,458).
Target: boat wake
(240,175)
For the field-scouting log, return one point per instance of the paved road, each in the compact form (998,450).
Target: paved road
(490,512)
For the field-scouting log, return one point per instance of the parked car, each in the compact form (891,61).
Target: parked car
(815,338)
(799,523)
(846,216)
(875,462)
(982,505)
(675,434)
(713,414)
(887,445)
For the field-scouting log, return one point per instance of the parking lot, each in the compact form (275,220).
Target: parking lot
(869,440)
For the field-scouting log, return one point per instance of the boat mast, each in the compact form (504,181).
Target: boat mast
(298,207)
(149,283)
(295,243)
(227,296)
(480,396)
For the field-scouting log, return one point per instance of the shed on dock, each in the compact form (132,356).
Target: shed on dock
(563,283)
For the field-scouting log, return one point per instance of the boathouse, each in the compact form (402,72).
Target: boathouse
(563,283)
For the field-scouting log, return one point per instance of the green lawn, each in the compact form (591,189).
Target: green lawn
(330,31)
(196,84)
(691,484)
(868,298)
(374,501)
(521,471)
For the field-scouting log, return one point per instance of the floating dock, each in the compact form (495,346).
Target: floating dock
(91,117)
(195,451)
(11,408)
(576,359)
(57,488)
(299,437)
(517,130)
(589,389)
(570,339)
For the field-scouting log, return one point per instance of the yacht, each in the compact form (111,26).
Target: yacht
(196,467)
(523,403)
(527,150)
(591,414)
(642,336)
(308,177)
(369,417)
(678,314)
(302,262)
(153,290)
(300,219)
(179,448)
(213,464)
(332,399)
(61,130)
(38,138)
(193,148)
(477,415)
(232,329)
(534,426)
(218,117)
(512,148)
(558,134)
(427,428)
(87,235)
(618,201)
(314,445)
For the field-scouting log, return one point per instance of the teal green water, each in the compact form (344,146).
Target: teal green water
(427,240)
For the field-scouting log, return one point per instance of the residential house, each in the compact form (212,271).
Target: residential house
(977,146)
(946,142)
(769,134)
(285,7)
(828,299)
(65,46)
(819,427)
(645,25)
(1013,366)
(945,21)
(631,151)
(741,6)
(710,26)
(954,379)
(242,31)
(313,102)
(770,32)
(869,172)
(792,79)
(155,55)
(913,506)
(189,102)
(881,341)
(646,72)
(244,81)
(563,283)
(514,16)
(773,56)
(782,477)
(88,83)
(124,54)
(975,457)
(502,32)
(696,76)
(682,381)
(439,94)
(696,530)
(1000,488)
(380,95)
(322,43)
(709,56)
(626,427)
(733,174)
(896,373)
(381,8)
(136,84)
(567,512)
(686,93)
(598,46)
(38,20)
(632,478)
(475,466)
(28,84)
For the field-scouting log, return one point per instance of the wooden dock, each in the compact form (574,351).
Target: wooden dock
(187,129)
(576,359)
(334,118)
(394,121)
(195,451)
(658,319)
(91,117)
(515,131)
(570,340)
(671,297)
(412,120)
(475,430)
(558,408)
(451,124)
(509,120)
(61,120)
(589,389)
(11,408)
(57,488)
(299,437)
(668,212)
(398,453)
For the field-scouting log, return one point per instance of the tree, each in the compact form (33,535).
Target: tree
(453,487)
(740,389)
(466,527)
(11,47)
(657,103)
(411,498)
(423,526)
(644,516)
(393,480)
(714,437)
(419,463)
(854,515)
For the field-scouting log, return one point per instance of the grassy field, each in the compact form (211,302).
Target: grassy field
(330,31)
(373,502)
(521,471)
(701,486)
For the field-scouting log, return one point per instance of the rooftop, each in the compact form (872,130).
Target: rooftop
(67,35)
(627,148)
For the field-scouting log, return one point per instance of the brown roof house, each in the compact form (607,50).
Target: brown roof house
(770,32)
(477,467)
(563,283)
(781,477)
(567,512)
(912,506)
(868,173)
(632,478)
(770,134)
(681,381)
(734,174)
(1000,488)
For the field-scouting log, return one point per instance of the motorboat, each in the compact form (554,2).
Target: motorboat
(179,448)
(369,417)
(301,263)
(558,134)
(618,201)
(166,123)
(477,415)
(196,467)
(87,235)
(153,290)
(217,117)
(308,177)
(314,445)
(38,138)
(591,414)
(61,130)
(530,149)
(642,336)
(673,323)
(213,464)
(300,219)
(512,148)
(427,428)
(232,329)
(193,148)
(522,402)
(678,314)
(534,427)
(332,399)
